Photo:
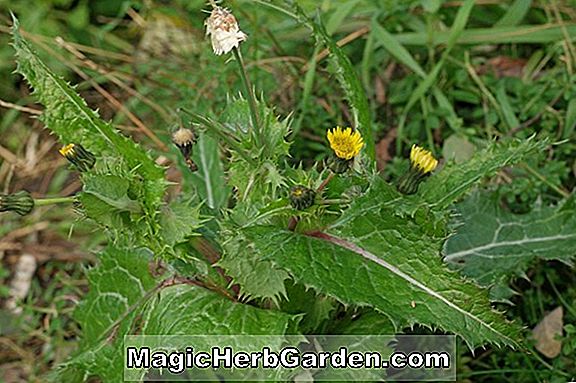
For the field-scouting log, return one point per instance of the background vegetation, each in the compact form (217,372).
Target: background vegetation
(433,75)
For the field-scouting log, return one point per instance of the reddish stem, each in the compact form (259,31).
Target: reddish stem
(324,183)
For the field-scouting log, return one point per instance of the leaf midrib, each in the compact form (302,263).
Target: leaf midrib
(372,257)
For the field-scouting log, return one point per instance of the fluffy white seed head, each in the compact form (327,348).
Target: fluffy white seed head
(223,30)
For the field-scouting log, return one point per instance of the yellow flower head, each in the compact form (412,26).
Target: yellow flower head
(81,158)
(67,150)
(422,159)
(346,143)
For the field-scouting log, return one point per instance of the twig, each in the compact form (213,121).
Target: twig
(108,96)
(112,77)
(340,43)
(20,108)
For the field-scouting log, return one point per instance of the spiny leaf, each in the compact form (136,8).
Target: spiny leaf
(178,222)
(121,278)
(316,309)
(117,285)
(344,72)
(391,265)
(492,244)
(379,256)
(454,180)
(67,115)
(257,278)
(185,309)
(115,201)
(121,301)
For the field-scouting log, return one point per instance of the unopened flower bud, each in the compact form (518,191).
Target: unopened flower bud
(223,30)
(81,158)
(301,197)
(422,163)
(20,202)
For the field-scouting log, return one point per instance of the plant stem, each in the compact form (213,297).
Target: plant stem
(250,96)
(53,201)
(324,183)
(333,201)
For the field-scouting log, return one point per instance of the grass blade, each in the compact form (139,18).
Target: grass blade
(525,34)
(515,14)
(389,42)
(339,15)
(455,32)
(344,73)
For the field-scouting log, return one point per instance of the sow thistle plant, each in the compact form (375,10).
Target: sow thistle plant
(366,265)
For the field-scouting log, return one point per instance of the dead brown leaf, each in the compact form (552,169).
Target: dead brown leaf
(383,155)
(504,66)
(547,330)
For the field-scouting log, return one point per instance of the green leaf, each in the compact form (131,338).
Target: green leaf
(400,53)
(391,265)
(522,34)
(570,122)
(369,323)
(431,6)
(191,310)
(430,79)
(121,301)
(67,115)
(515,13)
(340,13)
(491,245)
(111,190)
(315,309)
(457,28)
(457,148)
(253,171)
(454,180)
(209,179)
(117,285)
(105,199)
(178,222)
(387,40)
(187,310)
(257,278)
(384,253)
(119,281)
(507,110)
